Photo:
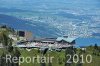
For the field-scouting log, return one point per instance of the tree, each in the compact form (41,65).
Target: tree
(8,49)
(2,60)
(70,51)
(16,54)
(95,46)
(5,39)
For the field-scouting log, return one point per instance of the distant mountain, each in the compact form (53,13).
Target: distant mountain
(51,4)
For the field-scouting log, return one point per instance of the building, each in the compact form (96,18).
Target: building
(51,43)
(25,35)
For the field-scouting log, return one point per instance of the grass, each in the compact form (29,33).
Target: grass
(34,53)
(56,55)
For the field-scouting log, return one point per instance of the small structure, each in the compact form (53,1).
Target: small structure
(83,48)
(25,35)
(1,45)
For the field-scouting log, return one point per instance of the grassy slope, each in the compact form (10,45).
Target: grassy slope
(33,53)
(95,59)
(61,55)
(56,55)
